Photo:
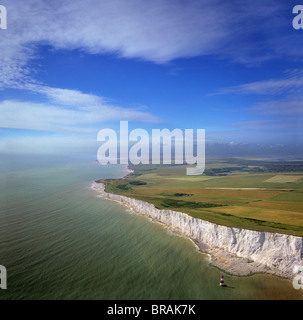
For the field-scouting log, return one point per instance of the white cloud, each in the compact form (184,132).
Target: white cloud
(67,111)
(69,97)
(158,30)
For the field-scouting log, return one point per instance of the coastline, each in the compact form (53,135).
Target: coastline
(239,252)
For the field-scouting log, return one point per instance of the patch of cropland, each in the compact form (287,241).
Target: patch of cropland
(255,166)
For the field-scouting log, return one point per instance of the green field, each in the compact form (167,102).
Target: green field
(245,193)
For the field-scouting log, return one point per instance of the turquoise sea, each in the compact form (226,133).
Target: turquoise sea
(59,240)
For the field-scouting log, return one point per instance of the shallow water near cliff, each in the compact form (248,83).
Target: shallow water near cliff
(59,240)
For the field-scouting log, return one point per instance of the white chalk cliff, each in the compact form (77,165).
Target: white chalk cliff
(275,253)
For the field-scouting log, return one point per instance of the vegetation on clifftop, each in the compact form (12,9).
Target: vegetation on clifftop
(243,193)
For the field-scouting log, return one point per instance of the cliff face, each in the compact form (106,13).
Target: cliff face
(278,253)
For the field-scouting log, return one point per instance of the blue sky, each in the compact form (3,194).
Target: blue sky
(71,68)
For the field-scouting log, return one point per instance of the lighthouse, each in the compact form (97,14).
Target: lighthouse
(222,284)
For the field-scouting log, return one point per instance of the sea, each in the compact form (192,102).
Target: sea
(60,241)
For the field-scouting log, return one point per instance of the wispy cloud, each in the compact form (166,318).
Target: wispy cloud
(280,107)
(66,111)
(289,106)
(292,83)
(158,31)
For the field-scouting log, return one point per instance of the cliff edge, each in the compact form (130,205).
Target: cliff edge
(238,251)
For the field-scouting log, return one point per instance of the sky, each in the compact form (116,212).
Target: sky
(71,68)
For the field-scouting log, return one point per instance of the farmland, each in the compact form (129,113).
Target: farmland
(245,193)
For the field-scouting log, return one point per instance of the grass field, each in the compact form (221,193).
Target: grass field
(251,194)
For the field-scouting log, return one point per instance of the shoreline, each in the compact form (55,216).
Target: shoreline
(233,261)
